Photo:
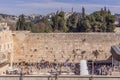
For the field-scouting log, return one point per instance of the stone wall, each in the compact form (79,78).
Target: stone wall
(3,68)
(6,46)
(33,47)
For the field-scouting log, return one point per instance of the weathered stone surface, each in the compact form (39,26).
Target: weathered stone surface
(32,47)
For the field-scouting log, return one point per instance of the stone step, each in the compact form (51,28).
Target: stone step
(116,73)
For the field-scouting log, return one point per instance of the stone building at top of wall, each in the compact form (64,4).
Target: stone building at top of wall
(6,42)
(4,26)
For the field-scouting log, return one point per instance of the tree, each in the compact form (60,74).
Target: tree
(59,22)
(109,12)
(55,22)
(98,21)
(84,25)
(110,19)
(105,9)
(72,22)
(104,21)
(48,27)
(42,26)
(21,24)
(83,12)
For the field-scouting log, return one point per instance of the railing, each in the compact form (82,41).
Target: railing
(62,77)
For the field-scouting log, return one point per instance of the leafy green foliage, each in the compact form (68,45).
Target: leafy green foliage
(72,22)
(98,21)
(59,22)
(21,24)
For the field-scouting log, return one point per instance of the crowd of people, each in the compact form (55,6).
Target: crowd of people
(45,67)
(55,67)
(100,69)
